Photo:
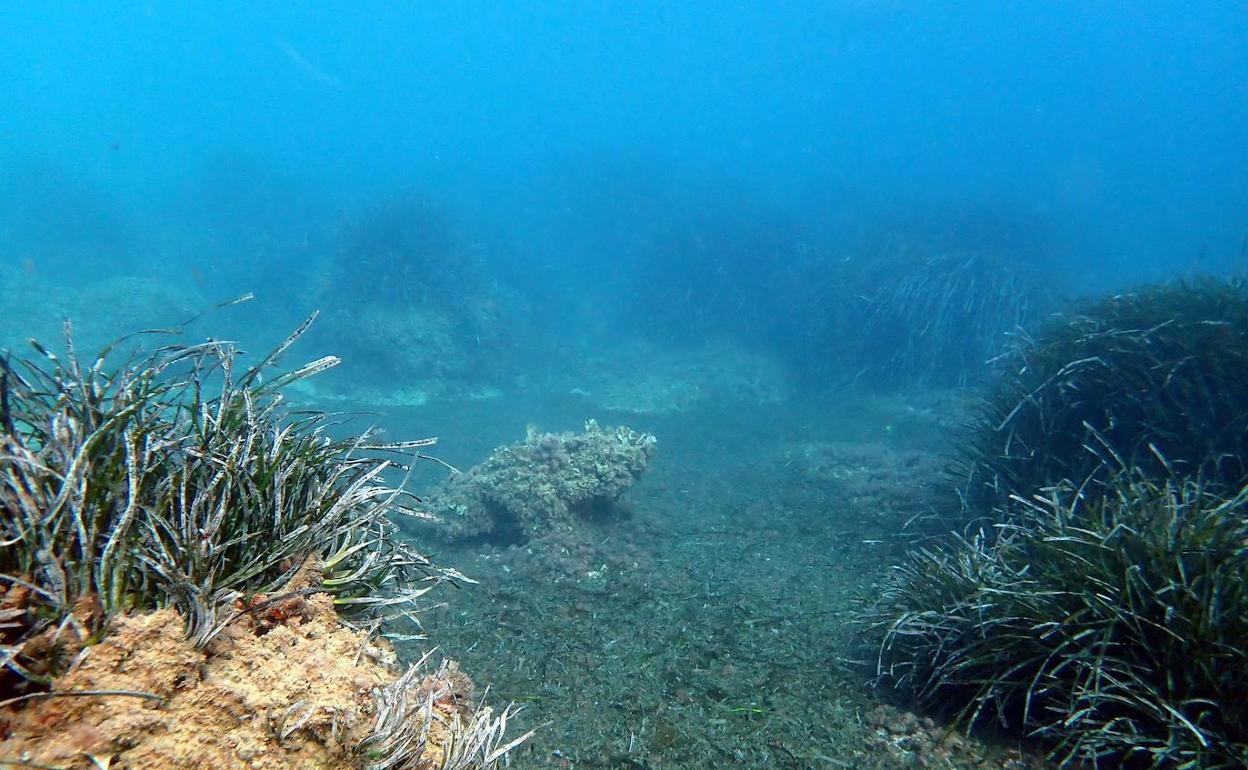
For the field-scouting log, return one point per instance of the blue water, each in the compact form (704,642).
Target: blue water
(1116,130)
(586,152)
(653,204)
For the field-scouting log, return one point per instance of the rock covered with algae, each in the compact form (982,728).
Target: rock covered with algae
(544,483)
(287,686)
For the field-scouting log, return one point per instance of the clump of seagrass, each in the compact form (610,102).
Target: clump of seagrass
(175,481)
(1108,622)
(547,482)
(937,318)
(414,704)
(1153,378)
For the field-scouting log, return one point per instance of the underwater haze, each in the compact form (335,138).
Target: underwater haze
(1114,131)
(782,246)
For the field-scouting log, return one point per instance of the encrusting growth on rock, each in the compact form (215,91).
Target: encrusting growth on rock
(545,483)
(274,690)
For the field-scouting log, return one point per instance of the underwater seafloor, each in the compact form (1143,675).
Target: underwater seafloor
(707,619)
(675,551)
(709,624)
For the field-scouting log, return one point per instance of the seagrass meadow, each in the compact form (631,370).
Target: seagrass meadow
(1096,598)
